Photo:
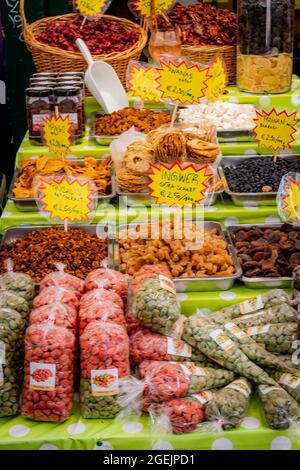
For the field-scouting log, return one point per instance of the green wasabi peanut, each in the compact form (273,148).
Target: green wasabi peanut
(19,283)
(276,338)
(280,409)
(9,299)
(283,313)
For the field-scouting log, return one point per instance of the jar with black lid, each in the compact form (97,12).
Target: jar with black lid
(265,45)
(72,74)
(67,102)
(44,74)
(39,105)
(78,83)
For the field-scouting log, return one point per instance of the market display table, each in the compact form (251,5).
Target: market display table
(287,101)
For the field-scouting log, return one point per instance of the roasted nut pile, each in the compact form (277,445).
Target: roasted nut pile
(98,171)
(211,259)
(102,37)
(37,253)
(268,252)
(202,24)
(258,174)
(144,120)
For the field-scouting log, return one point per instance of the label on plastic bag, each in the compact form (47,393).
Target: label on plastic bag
(189,368)
(176,347)
(251,305)
(177,329)
(104,382)
(2,361)
(240,386)
(167,284)
(235,330)
(253,315)
(222,340)
(258,330)
(265,389)
(1,376)
(291,380)
(203,397)
(42,376)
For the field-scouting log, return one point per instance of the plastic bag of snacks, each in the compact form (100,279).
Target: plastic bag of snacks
(104,359)
(213,341)
(147,272)
(289,381)
(280,409)
(179,415)
(105,278)
(104,312)
(228,406)
(59,314)
(8,299)
(99,296)
(283,313)
(145,344)
(20,283)
(9,380)
(164,381)
(52,295)
(156,306)
(49,365)
(277,338)
(253,305)
(12,321)
(132,324)
(61,279)
(254,351)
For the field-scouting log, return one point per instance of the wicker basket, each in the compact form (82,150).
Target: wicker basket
(52,59)
(205,54)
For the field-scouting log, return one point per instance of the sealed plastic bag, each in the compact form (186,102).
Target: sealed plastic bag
(14,323)
(60,278)
(9,379)
(132,324)
(108,279)
(280,409)
(277,338)
(8,299)
(253,305)
(59,314)
(156,306)
(99,296)
(289,381)
(228,406)
(179,415)
(119,146)
(49,365)
(146,272)
(145,344)
(104,359)
(104,312)
(214,342)
(283,313)
(52,295)
(20,283)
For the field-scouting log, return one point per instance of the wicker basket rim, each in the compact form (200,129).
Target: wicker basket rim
(32,41)
(224,47)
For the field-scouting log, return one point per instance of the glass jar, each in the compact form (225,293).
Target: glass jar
(39,105)
(68,103)
(78,83)
(72,74)
(41,82)
(47,75)
(265,45)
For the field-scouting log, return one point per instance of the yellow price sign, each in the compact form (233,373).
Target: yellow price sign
(91,8)
(65,198)
(275,130)
(57,135)
(182,82)
(217,82)
(288,198)
(142,83)
(179,185)
(143,7)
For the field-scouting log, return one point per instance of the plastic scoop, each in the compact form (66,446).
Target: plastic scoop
(103,82)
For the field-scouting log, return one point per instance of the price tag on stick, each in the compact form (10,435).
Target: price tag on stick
(179,185)
(275,130)
(58,135)
(143,7)
(91,8)
(141,81)
(217,82)
(288,198)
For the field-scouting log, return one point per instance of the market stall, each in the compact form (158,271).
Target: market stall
(167,337)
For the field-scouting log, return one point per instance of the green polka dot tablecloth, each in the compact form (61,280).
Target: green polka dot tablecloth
(288,101)
(81,434)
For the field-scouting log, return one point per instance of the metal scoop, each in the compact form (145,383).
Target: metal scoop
(103,82)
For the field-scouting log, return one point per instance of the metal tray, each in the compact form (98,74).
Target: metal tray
(143,199)
(260,282)
(249,199)
(203,284)
(29,205)
(106,140)
(235,135)
(102,230)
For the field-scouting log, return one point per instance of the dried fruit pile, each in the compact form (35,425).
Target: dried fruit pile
(102,37)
